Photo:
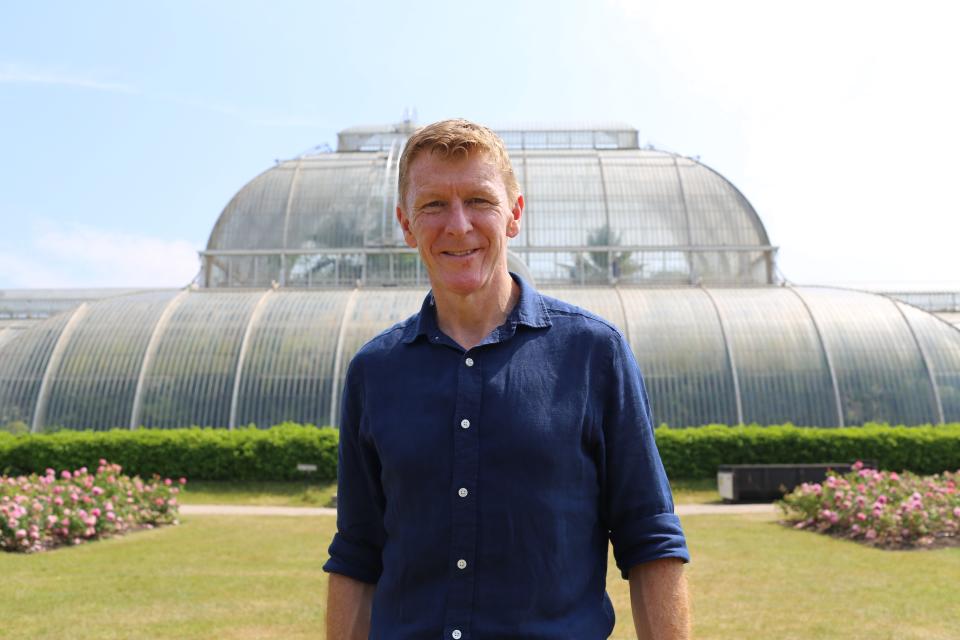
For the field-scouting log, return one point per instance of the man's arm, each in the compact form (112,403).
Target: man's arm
(658,595)
(348,608)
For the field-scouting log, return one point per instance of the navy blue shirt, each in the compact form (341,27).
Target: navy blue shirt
(478,489)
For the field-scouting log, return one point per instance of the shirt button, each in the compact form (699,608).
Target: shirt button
(463,492)
(461,564)
(465,423)
(468,362)
(456,634)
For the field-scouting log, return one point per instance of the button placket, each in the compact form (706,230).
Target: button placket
(466,452)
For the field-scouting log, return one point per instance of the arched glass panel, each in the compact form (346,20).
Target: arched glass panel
(941,342)
(190,381)
(253,219)
(879,369)
(678,342)
(22,365)
(288,370)
(781,367)
(94,385)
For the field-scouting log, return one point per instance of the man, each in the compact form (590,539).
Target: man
(492,444)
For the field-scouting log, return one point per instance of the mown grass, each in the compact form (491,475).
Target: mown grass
(245,577)
(304,494)
(273,494)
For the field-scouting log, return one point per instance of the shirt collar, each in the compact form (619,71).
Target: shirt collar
(529,311)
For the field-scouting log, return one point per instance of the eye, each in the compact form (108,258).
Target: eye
(432,206)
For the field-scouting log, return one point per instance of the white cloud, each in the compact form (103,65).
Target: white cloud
(19,74)
(11,73)
(82,256)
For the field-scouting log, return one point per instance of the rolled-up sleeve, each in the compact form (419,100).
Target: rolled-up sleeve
(638,505)
(357,546)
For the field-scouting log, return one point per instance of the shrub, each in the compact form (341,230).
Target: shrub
(884,509)
(200,454)
(697,452)
(39,512)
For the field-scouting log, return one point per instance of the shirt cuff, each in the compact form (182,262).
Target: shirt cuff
(354,560)
(647,539)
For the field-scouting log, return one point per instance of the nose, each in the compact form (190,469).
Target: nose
(458,219)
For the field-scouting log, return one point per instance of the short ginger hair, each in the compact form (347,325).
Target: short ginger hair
(456,138)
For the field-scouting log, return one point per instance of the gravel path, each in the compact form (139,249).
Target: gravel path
(242,510)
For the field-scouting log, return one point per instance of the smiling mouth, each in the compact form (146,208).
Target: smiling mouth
(460,254)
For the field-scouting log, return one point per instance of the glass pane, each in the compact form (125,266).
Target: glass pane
(94,385)
(879,368)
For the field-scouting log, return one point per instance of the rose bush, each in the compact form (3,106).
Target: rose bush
(39,512)
(881,508)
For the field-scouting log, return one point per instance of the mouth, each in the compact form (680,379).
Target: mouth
(461,254)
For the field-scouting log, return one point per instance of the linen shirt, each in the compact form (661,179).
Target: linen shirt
(478,489)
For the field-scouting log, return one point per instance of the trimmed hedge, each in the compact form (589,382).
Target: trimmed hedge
(197,454)
(273,454)
(697,452)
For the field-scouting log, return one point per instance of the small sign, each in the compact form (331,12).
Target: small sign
(307,468)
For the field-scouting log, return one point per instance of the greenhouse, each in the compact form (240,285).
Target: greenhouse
(306,263)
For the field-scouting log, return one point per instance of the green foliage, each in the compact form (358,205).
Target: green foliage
(194,453)
(250,454)
(697,452)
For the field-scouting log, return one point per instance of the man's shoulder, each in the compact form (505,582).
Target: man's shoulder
(570,317)
(385,343)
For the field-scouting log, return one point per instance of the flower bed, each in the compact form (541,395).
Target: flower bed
(39,512)
(880,508)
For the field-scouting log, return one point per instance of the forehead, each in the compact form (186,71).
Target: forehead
(431,171)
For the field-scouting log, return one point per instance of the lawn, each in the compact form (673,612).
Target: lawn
(247,577)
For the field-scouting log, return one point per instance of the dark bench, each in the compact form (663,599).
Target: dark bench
(765,482)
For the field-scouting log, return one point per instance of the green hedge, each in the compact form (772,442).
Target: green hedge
(273,454)
(197,454)
(696,452)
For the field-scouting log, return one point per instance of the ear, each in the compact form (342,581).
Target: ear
(408,236)
(513,226)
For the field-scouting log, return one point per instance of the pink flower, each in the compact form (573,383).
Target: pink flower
(183,481)
(871,534)
(65,474)
(894,476)
(861,516)
(857,465)
(956,512)
(168,482)
(97,491)
(21,534)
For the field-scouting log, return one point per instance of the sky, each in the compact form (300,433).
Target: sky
(125,128)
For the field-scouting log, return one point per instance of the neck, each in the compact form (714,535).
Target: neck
(470,318)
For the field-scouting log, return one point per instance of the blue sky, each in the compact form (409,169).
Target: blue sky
(125,128)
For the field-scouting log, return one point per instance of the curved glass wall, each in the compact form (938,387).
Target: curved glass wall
(879,367)
(679,344)
(96,381)
(811,356)
(23,363)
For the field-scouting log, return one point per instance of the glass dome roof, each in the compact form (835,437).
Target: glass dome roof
(808,355)
(599,210)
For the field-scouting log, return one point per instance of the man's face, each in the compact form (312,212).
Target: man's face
(458,215)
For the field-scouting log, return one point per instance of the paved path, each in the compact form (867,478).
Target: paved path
(242,510)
